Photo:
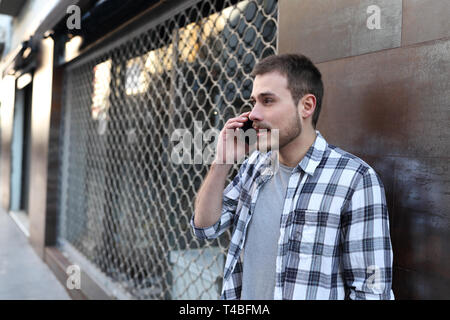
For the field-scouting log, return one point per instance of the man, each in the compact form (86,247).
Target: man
(314,228)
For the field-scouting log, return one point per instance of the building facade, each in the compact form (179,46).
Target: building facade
(100,97)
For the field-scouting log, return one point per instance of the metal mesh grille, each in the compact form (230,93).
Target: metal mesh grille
(125,205)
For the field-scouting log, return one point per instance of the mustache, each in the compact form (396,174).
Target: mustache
(259,127)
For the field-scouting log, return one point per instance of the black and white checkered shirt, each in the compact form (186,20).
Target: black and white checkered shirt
(334,231)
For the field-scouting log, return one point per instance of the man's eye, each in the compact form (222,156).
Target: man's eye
(267,100)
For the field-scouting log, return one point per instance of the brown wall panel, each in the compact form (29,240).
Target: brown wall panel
(425,20)
(422,221)
(392,103)
(409,284)
(7,91)
(330,29)
(53,158)
(392,109)
(40,124)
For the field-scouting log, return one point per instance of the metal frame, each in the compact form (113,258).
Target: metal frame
(155,17)
(92,57)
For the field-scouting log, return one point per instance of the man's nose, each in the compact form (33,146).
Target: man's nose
(255,114)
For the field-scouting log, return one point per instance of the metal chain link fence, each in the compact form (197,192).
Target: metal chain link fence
(124,204)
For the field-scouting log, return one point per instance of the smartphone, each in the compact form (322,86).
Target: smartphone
(247,125)
(250,140)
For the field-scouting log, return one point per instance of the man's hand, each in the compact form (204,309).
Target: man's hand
(229,148)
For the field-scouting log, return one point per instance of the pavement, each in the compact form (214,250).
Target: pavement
(23,275)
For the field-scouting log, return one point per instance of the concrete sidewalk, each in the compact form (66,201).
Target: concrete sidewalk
(23,275)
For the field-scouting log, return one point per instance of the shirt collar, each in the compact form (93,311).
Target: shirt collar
(308,164)
(314,155)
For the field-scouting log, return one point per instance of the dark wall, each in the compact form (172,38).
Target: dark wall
(8,85)
(387,100)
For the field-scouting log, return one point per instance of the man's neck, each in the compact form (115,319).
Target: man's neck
(292,153)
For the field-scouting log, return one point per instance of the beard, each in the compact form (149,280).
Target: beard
(277,139)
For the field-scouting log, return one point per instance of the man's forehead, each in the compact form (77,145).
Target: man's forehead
(271,82)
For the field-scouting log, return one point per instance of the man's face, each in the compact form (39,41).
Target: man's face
(274,108)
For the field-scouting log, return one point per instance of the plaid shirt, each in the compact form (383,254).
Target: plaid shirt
(334,231)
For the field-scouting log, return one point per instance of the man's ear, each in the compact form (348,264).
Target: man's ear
(307,105)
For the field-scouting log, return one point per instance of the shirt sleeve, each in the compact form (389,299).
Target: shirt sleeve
(229,205)
(366,244)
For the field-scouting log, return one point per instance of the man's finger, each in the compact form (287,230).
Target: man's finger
(234,125)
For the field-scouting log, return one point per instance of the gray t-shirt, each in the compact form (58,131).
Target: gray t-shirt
(261,244)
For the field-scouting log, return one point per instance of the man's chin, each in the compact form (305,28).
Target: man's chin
(263,144)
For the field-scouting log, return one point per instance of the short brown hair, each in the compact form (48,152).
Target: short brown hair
(302,75)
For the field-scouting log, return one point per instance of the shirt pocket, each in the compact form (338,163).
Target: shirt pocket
(304,225)
(314,232)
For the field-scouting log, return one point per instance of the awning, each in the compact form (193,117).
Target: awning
(11,7)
